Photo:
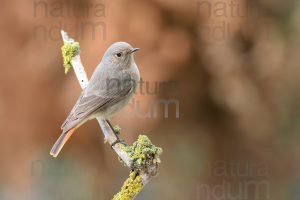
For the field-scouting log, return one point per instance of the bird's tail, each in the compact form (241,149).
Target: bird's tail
(60,142)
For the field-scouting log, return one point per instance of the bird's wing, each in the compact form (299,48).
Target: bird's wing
(88,104)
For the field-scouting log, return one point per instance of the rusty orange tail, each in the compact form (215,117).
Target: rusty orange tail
(60,142)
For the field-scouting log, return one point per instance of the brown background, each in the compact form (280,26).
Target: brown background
(235,65)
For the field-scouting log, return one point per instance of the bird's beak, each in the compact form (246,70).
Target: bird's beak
(134,50)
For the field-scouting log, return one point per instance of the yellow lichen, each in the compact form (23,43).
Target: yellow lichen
(143,153)
(131,187)
(117,129)
(69,50)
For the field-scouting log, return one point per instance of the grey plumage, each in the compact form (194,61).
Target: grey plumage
(111,86)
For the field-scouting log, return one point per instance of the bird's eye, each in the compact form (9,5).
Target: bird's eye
(119,54)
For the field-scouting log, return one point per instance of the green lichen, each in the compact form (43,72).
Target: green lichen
(131,187)
(69,50)
(143,153)
(117,129)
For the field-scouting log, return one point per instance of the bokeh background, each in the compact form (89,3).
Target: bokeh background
(229,69)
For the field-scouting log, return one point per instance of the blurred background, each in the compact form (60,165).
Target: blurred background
(220,95)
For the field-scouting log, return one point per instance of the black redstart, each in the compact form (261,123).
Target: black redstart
(111,86)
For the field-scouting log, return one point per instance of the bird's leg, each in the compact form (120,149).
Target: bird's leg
(111,126)
(116,134)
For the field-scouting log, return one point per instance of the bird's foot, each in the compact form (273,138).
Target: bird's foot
(118,141)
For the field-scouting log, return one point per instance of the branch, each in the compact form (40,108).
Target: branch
(142,157)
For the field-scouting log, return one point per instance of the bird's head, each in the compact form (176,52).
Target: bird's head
(120,54)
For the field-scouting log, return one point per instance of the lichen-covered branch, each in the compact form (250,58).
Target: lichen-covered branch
(142,157)
(144,163)
(131,187)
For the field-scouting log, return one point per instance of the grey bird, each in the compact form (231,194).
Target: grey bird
(110,88)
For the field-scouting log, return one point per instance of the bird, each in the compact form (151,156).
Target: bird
(112,84)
